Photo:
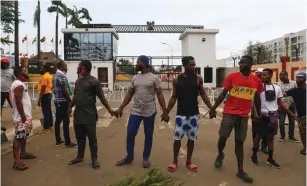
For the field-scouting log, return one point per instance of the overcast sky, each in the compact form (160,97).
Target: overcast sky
(238,22)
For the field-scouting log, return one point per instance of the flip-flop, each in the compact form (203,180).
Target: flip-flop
(124,161)
(192,167)
(20,166)
(303,152)
(172,167)
(75,161)
(28,156)
(146,164)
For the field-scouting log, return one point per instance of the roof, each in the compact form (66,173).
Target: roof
(47,57)
(197,31)
(143,28)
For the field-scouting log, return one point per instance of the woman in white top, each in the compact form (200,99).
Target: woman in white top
(22,117)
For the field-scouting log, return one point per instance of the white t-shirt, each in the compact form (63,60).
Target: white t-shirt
(267,106)
(26,101)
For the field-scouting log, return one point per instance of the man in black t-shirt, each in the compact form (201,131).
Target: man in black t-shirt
(299,97)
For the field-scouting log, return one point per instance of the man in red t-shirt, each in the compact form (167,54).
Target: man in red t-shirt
(243,87)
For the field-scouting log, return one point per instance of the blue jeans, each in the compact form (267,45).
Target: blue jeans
(132,130)
(282,118)
(61,114)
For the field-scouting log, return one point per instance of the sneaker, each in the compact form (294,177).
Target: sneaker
(294,139)
(273,163)
(254,160)
(44,131)
(60,143)
(219,160)
(281,139)
(71,145)
(244,176)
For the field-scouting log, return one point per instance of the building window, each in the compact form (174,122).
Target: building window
(208,74)
(90,46)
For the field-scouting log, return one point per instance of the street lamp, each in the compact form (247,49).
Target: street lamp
(171,51)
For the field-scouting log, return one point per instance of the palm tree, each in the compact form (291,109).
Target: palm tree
(37,23)
(85,15)
(16,29)
(75,17)
(57,7)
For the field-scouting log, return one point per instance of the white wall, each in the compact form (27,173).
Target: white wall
(204,52)
(73,65)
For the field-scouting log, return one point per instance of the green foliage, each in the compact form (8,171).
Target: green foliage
(8,16)
(76,16)
(259,52)
(154,177)
(36,15)
(126,67)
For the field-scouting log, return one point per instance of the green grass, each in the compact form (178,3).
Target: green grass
(154,177)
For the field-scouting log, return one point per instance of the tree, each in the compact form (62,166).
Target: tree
(258,52)
(57,7)
(8,19)
(37,24)
(76,19)
(85,15)
(126,66)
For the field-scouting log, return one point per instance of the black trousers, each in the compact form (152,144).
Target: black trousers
(264,140)
(89,130)
(5,96)
(61,114)
(46,109)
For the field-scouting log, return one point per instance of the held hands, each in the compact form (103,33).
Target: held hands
(165,117)
(212,113)
(117,113)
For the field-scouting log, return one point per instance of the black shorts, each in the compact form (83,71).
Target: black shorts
(262,128)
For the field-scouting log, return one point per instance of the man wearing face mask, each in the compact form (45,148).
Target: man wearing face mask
(186,88)
(243,87)
(270,101)
(299,97)
(87,88)
(144,87)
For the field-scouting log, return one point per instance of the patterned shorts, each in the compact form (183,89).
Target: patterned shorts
(186,125)
(22,130)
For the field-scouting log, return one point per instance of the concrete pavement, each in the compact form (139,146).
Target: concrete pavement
(50,168)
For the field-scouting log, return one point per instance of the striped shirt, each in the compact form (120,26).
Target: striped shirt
(58,80)
(287,100)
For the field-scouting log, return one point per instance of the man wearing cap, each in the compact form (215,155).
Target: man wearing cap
(299,98)
(286,85)
(143,87)
(243,87)
(7,78)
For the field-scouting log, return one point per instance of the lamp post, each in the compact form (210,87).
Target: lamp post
(171,51)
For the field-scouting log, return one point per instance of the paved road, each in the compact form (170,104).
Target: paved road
(50,168)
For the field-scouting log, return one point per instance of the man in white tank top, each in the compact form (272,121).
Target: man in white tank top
(22,117)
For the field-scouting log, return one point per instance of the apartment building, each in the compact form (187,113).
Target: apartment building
(296,49)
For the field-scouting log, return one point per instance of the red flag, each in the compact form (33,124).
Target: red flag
(25,55)
(25,39)
(7,37)
(60,41)
(20,54)
(43,39)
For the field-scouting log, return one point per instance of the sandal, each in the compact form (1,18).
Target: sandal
(20,166)
(28,156)
(192,167)
(172,167)
(124,161)
(146,164)
(303,152)
(75,161)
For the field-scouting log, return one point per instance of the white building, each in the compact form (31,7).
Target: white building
(201,44)
(296,49)
(99,44)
